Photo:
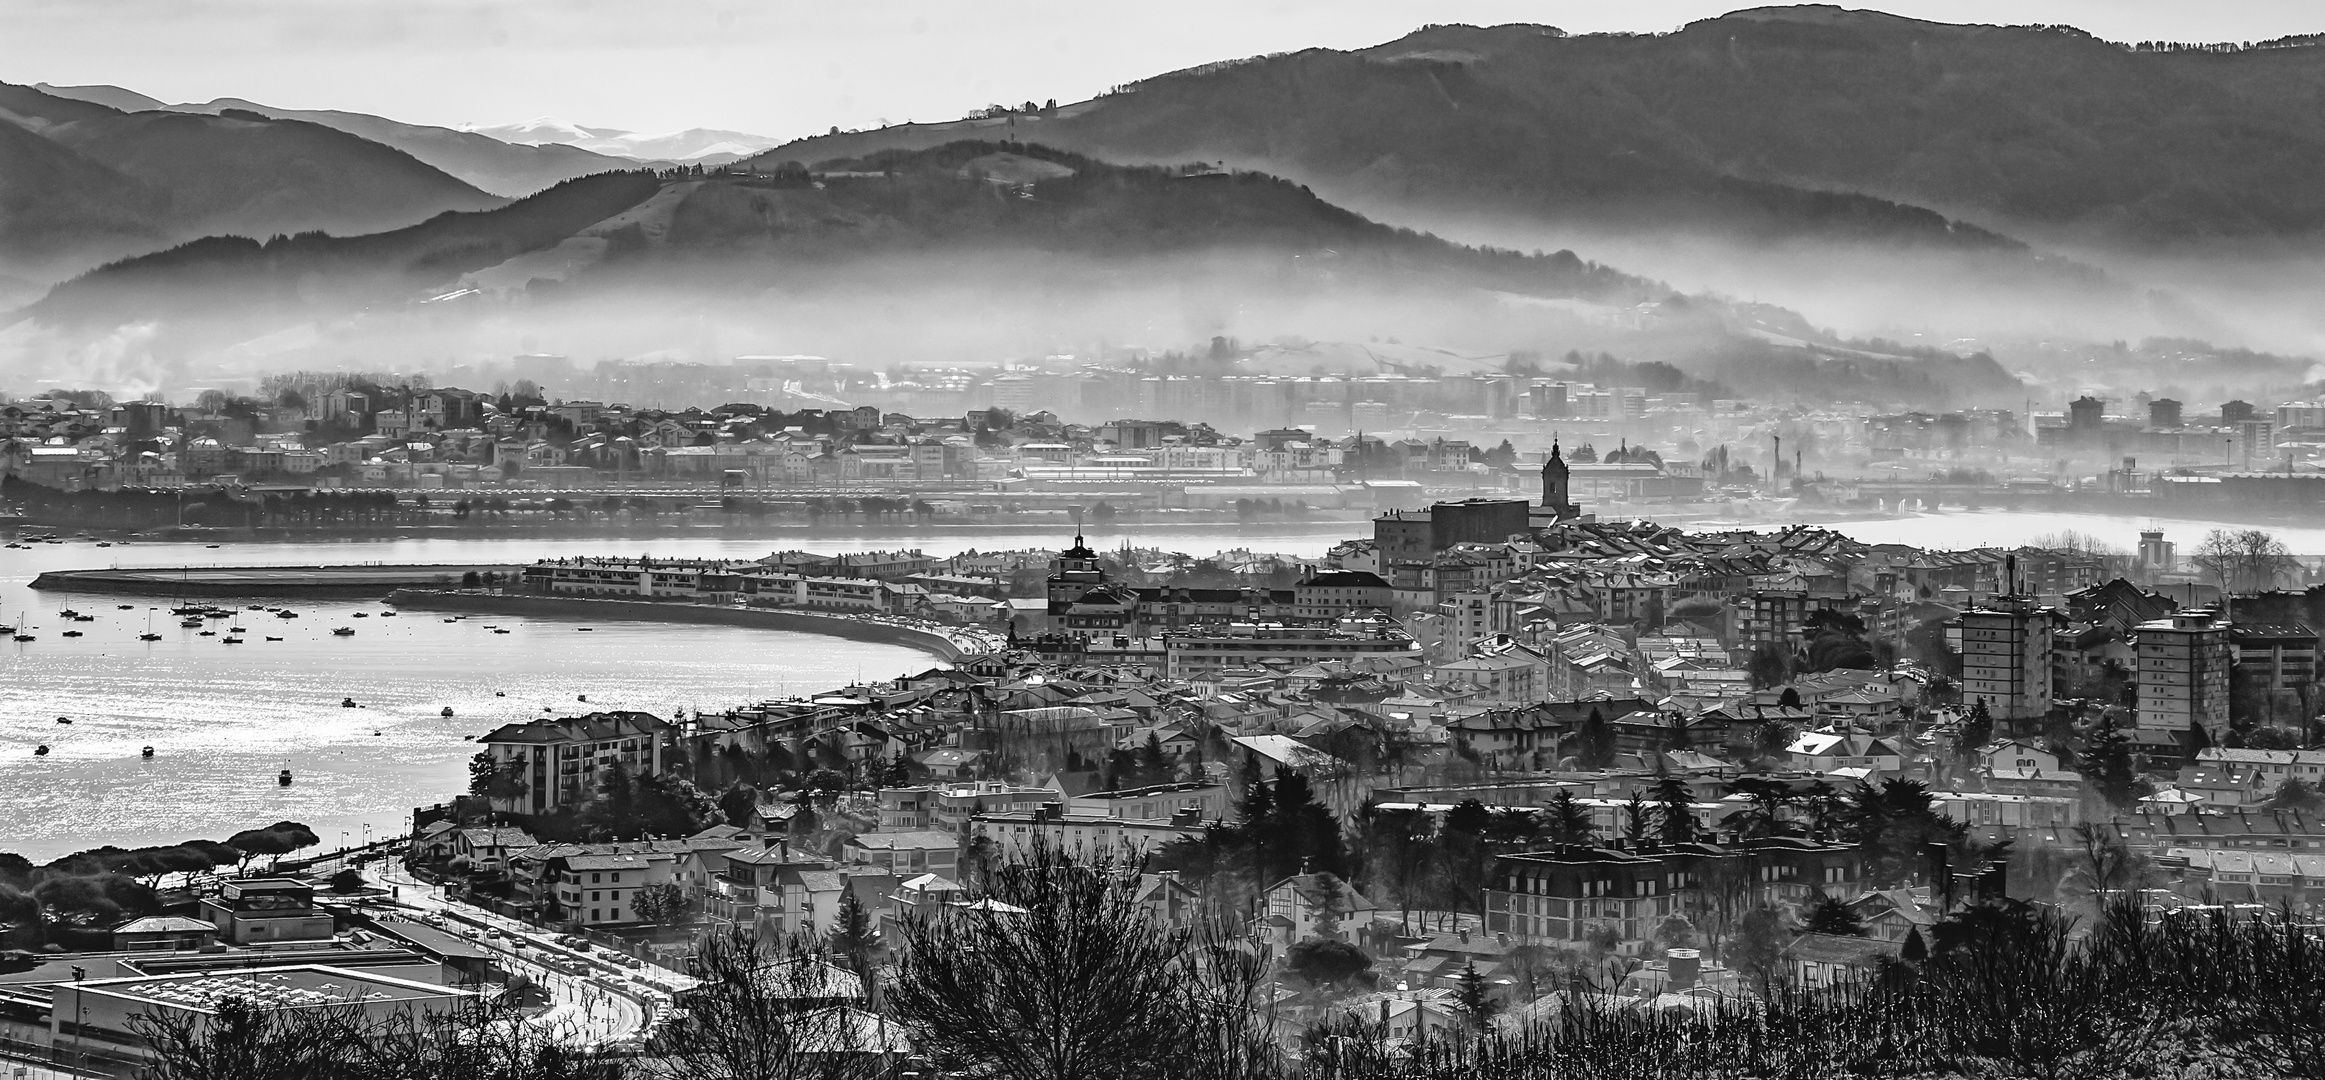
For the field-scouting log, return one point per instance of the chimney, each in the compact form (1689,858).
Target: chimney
(1686,967)
(1465,936)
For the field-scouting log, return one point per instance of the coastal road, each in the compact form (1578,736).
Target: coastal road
(600,1007)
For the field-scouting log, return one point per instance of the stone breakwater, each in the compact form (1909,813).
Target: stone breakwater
(342,581)
(944,642)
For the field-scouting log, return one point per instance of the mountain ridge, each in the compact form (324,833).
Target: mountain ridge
(142,179)
(1014,238)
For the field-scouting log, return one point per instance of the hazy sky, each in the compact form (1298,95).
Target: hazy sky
(790,68)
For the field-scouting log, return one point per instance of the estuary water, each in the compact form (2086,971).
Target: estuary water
(224,719)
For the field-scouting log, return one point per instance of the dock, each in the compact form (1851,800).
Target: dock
(367,580)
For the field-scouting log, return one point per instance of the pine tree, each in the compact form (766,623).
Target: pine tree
(1915,950)
(1569,822)
(853,936)
(1154,764)
(2107,766)
(1475,998)
(1676,812)
(1595,741)
(1638,817)
(1324,900)
(2199,740)
(1829,916)
(1977,730)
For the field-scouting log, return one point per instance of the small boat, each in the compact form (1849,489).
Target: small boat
(72,633)
(125,607)
(40,751)
(343,631)
(387,614)
(70,613)
(188,610)
(274,639)
(499,631)
(346,703)
(149,636)
(235,630)
(190,624)
(209,545)
(207,633)
(500,693)
(256,607)
(232,641)
(25,637)
(585,629)
(104,543)
(286,613)
(147,752)
(363,614)
(581,697)
(375,734)
(64,719)
(451,620)
(447,712)
(283,778)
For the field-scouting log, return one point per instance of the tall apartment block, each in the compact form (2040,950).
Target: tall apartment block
(2183,670)
(2006,657)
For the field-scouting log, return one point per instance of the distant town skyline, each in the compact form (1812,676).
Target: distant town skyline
(796,69)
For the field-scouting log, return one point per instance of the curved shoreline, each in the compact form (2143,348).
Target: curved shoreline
(943,645)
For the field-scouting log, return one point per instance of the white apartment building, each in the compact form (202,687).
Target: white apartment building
(2182,667)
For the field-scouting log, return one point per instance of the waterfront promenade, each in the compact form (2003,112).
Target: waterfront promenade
(946,642)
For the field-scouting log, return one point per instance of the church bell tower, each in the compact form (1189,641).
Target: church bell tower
(1557,487)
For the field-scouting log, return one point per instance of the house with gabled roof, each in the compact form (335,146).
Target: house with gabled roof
(1827,752)
(1303,906)
(490,848)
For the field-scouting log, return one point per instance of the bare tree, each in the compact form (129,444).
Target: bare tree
(2244,560)
(2105,866)
(478,1040)
(772,1010)
(2023,1000)
(1056,973)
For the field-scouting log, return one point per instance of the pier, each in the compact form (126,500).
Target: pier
(944,642)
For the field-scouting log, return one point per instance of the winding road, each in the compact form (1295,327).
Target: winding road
(607,1006)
